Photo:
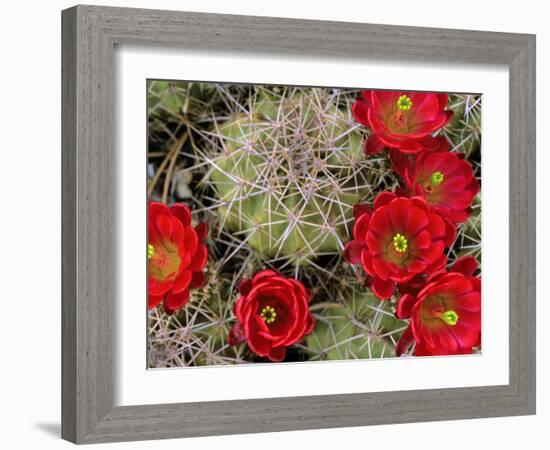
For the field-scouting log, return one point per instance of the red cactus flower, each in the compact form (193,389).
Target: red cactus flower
(445,315)
(397,240)
(401,120)
(272,313)
(176,255)
(446,181)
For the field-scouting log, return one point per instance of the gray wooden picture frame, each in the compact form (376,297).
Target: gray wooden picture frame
(89,37)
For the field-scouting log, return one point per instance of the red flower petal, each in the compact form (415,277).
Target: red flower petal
(310,324)
(277,354)
(157,209)
(380,223)
(417,220)
(182,212)
(263,274)
(202,231)
(381,268)
(360,209)
(361,226)
(450,234)
(404,306)
(182,281)
(173,302)
(375,244)
(383,198)
(352,252)
(158,288)
(382,289)
(405,342)
(401,162)
(399,211)
(188,243)
(406,146)
(198,280)
(236,335)
(165,224)
(436,226)
(153,301)
(466,265)
(199,260)
(245,286)
(366,262)
(423,240)
(359,110)
(373,145)
(426,107)
(383,100)
(443,99)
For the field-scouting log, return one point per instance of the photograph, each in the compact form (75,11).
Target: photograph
(303,224)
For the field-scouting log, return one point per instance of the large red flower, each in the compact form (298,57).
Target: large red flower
(396,240)
(272,313)
(176,255)
(445,315)
(446,181)
(401,120)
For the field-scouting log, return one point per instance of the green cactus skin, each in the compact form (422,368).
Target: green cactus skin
(468,240)
(179,98)
(464,130)
(288,172)
(361,327)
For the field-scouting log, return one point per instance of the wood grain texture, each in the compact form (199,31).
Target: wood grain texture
(89,36)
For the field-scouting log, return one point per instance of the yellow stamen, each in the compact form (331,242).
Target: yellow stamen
(268,314)
(450,317)
(400,243)
(150,251)
(404,103)
(437,178)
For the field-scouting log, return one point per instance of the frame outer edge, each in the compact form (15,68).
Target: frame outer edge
(522,182)
(69,35)
(88,187)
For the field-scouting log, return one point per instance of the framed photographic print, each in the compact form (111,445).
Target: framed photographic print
(259,208)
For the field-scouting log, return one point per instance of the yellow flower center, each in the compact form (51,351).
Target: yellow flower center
(436,178)
(150,251)
(400,243)
(268,314)
(450,317)
(404,103)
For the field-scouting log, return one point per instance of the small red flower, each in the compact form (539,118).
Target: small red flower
(401,120)
(397,240)
(176,255)
(446,181)
(272,313)
(445,315)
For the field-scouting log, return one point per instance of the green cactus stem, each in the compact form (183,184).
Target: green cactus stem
(288,170)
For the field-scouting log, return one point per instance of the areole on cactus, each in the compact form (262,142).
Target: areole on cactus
(287,172)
